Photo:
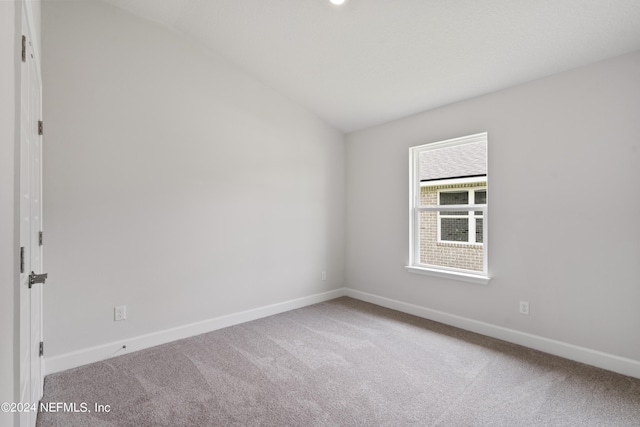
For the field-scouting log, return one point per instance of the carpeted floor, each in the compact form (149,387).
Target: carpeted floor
(342,363)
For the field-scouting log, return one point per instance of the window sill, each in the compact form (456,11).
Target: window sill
(453,275)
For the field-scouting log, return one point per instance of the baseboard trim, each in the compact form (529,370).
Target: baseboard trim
(112,349)
(588,356)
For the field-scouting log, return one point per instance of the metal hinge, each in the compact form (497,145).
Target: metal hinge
(40,238)
(40,128)
(21,259)
(41,348)
(24,49)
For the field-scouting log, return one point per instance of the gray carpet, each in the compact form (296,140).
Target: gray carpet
(343,363)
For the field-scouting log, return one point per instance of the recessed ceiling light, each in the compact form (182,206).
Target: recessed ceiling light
(338,2)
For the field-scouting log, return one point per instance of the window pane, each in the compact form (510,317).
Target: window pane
(454,198)
(480,198)
(454,229)
(445,254)
(447,175)
(428,237)
(479,234)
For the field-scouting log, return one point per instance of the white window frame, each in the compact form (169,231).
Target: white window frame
(415,266)
(471,217)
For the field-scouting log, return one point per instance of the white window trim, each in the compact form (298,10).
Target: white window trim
(472,224)
(456,275)
(415,266)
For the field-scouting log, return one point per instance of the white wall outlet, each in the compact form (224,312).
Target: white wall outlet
(324,275)
(120,312)
(524,307)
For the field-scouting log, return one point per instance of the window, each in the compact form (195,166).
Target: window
(449,210)
(461,226)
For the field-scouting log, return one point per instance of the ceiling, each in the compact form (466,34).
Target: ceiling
(372,61)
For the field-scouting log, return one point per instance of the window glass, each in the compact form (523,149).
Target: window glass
(454,198)
(447,173)
(479,226)
(454,229)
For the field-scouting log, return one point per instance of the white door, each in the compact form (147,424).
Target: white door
(31,378)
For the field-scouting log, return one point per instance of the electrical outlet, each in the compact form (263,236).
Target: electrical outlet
(524,307)
(120,312)
(324,275)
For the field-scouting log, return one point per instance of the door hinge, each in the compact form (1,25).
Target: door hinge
(21,259)
(24,49)
(41,348)
(40,128)
(40,239)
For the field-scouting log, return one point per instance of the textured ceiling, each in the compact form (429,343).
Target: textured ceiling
(373,61)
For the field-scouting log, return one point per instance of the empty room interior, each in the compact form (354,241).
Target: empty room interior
(320,213)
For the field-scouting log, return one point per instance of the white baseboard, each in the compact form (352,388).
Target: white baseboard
(596,358)
(588,356)
(105,351)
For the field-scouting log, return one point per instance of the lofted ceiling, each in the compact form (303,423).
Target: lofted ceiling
(372,61)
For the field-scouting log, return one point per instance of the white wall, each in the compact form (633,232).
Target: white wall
(174,183)
(564,156)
